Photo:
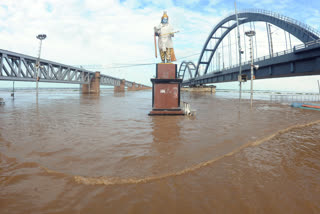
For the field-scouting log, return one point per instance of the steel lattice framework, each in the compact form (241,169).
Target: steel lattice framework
(20,67)
(187,65)
(301,31)
(302,60)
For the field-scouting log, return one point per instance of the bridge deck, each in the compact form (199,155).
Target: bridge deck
(302,60)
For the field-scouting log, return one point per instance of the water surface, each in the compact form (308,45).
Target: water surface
(66,153)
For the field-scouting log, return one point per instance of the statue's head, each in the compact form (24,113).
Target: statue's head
(164,18)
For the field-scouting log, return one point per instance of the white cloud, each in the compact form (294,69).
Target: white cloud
(98,32)
(107,32)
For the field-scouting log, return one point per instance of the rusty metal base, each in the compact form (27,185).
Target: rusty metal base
(164,112)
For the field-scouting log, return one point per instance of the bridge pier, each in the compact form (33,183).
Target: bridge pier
(94,86)
(139,87)
(121,87)
(133,87)
(146,87)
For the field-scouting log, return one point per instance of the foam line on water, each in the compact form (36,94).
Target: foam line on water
(114,181)
(103,180)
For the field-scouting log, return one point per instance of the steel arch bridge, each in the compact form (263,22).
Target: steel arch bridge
(301,31)
(187,65)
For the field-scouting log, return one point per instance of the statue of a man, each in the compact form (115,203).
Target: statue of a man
(165,33)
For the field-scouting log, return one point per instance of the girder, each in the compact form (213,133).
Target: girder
(301,31)
(301,61)
(186,65)
(20,67)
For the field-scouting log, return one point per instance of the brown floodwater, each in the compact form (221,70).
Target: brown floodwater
(73,153)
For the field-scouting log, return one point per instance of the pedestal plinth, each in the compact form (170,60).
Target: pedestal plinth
(166,91)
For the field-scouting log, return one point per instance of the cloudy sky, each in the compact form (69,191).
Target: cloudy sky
(108,35)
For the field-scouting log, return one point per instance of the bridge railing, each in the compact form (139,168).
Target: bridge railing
(279,16)
(281,53)
(19,67)
(289,98)
(282,17)
(307,44)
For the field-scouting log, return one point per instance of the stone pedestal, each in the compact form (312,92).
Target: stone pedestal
(94,86)
(166,91)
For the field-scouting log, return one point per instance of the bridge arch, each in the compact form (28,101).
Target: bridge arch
(301,31)
(187,65)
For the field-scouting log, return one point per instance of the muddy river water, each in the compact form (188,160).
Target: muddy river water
(73,153)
